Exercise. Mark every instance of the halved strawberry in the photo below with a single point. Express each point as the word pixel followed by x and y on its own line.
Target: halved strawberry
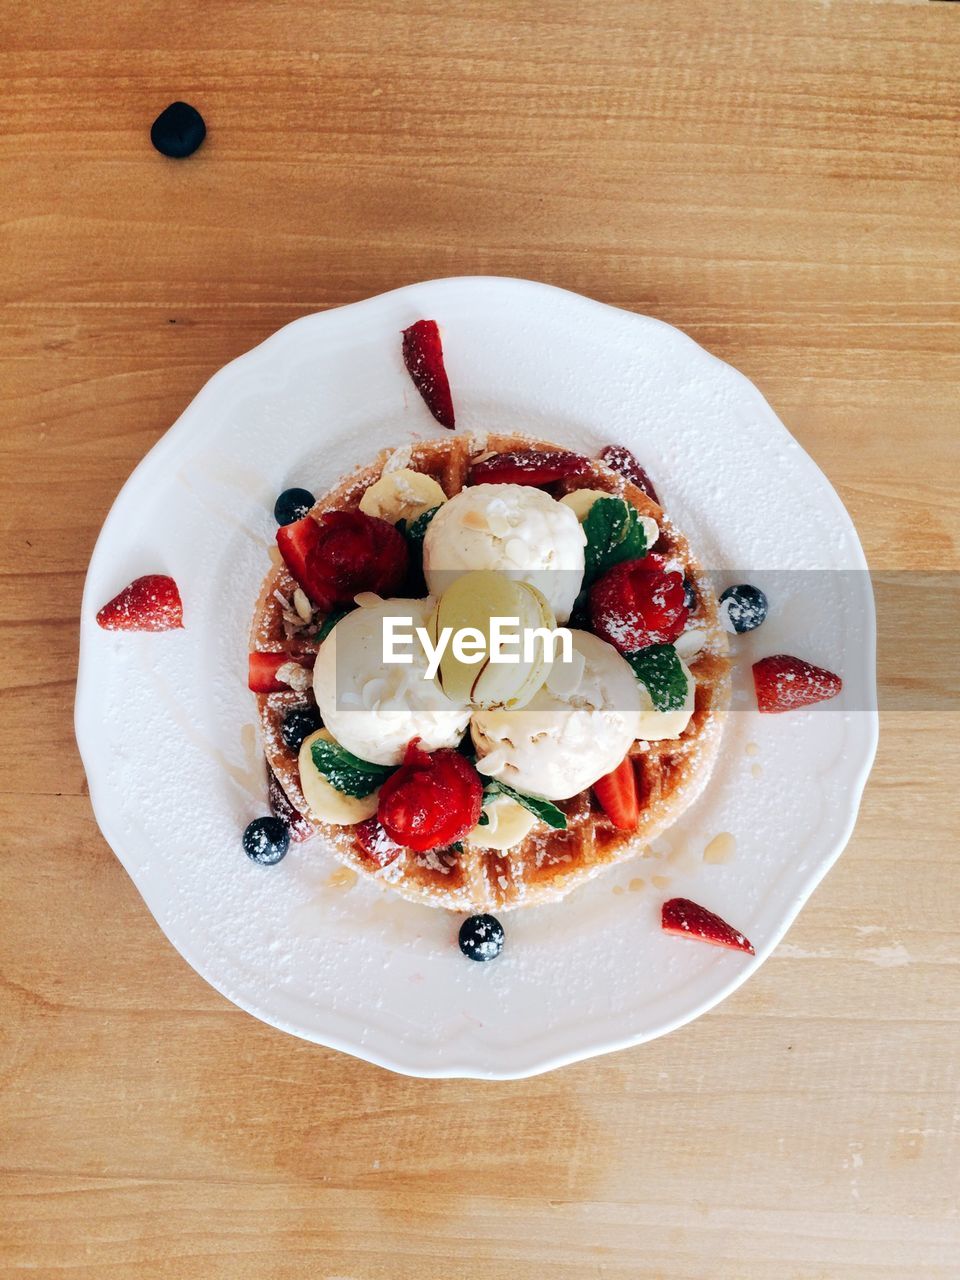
pixel 688 919
pixel 638 603
pixel 262 670
pixel 527 466
pixel 282 808
pixel 784 683
pixel 342 553
pixel 617 795
pixel 151 603
pixel 375 845
pixel 299 544
pixel 423 356
pixel 432 800
pixel 619 458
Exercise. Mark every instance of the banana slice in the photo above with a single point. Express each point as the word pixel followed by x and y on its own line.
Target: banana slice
pixel 469 604
pixel 509 824
pixel 495 689
pixel 654 725
pixel 325 802
pixel 581 500
pixel 401 495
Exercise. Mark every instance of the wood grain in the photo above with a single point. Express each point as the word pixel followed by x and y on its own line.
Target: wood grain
pixel 780 180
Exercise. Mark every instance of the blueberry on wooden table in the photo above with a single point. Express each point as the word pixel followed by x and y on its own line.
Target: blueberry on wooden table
pixel 178 130
pixel 293 505
pixel 481 938
pixel 266 841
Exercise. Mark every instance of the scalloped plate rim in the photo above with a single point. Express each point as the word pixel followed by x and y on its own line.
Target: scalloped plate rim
pixel 535 1062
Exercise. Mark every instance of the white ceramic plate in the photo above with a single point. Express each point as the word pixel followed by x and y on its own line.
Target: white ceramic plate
pixel 165 722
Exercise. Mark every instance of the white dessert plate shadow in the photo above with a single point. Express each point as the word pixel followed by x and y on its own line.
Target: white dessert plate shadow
pixel 166 725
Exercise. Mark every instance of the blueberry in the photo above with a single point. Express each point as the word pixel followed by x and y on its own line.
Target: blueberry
pixel 481 938
pixel 689 595
pixel 299 723
pixel 266 840
pixel 742 608
pixel 178 130
pixel 293 504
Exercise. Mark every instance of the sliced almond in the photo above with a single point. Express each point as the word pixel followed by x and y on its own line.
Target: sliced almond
pixel 302 605
pixel 295 676
pixel 367 600
pixel 499 525
pixel 493 762
pixel 690 643
pixel 565 677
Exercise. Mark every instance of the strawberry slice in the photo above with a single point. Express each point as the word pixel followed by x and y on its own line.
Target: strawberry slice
pixel 262 670
pixel 618 458
pixel 617 796
pixel 432 800
pixel 784 683
pixel 342 553
pixel 282 808
pixel 423 356
pixel 638 603
pixel 375 844
pixel 300 546
pixel 151 603
pixel 527 466
pixel 688 919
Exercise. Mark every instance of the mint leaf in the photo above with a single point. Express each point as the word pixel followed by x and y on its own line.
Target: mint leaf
pixel 580 614
pixel 484 819
pixel 415 530
pixel 614 534
pixel 419 527
pixel 658 667
pixel 345 771
pixel 329 622
pixel 414 533
pixel 540 808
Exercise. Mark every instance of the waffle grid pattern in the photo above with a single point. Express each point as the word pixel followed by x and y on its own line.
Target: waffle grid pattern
pixel 547 864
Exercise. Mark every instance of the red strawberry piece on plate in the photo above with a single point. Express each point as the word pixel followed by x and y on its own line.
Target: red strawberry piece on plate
pixel 283 808
pixel 689 920
pixel 527 466
pixel 423 356
pixel 263 669
pixel 342 553
pixel 784 683
pixel 151 603
pixel 638 603
pixel 432 800
pixel 375 845
pixel 618 458
pixel 617 795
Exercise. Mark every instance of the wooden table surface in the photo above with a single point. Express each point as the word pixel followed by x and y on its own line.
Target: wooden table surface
pixel 778 177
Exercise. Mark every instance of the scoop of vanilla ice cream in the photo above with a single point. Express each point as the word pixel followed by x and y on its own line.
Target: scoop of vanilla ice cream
pixel 513 528
pixel 566 737
pixel 374 708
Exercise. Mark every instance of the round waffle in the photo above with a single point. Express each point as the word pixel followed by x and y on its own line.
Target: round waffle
pixel 547 863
